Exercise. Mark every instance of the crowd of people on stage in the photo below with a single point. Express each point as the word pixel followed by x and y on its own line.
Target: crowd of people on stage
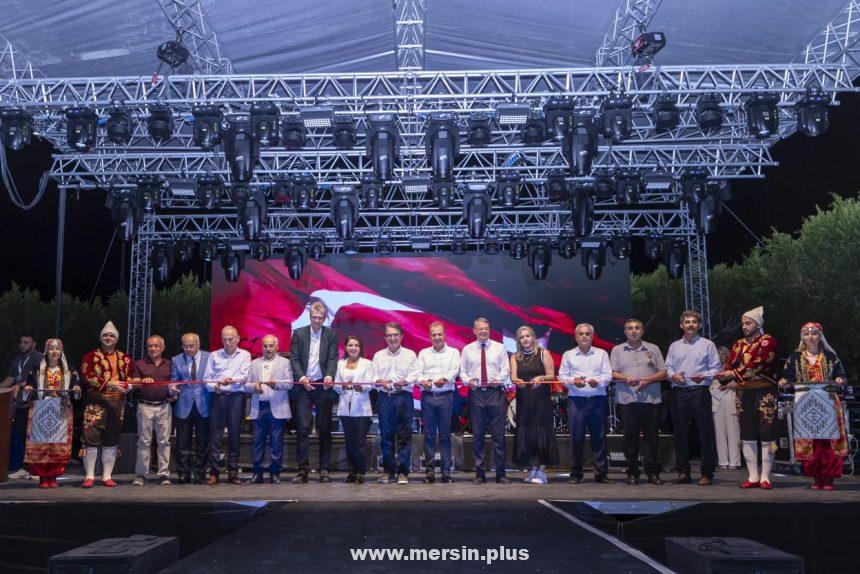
pixel 729 395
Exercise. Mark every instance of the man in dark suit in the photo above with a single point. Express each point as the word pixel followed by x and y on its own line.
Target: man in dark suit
pixel 191 409
pixel 313 358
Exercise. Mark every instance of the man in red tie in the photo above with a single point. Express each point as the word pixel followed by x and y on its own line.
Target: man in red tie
pixel 484 365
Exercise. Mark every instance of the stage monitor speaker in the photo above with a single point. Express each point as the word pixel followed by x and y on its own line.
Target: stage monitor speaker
pixel 138 554
pixel 693 555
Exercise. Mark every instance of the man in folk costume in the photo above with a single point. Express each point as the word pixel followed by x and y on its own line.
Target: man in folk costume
pixel 752 371
pixel 49 437
pixel 106 373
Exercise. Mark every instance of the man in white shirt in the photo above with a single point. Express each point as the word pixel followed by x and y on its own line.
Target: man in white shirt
pixel 394 405
pixel 436 370
pixel 586 372
pixel 225 376
pixel 485 366
pixel 269 379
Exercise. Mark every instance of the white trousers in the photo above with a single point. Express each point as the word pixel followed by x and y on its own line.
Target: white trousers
pixel 153 418
pixel 727 430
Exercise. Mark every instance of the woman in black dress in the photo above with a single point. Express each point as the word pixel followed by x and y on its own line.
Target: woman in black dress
pixel 535 445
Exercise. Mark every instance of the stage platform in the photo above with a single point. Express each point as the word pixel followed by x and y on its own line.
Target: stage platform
pixel 312 527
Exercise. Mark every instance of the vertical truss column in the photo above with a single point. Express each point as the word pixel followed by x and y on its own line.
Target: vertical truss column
pixel 697 295
pixel 630 17
pixel 14 65
pixel 198 35
pixel 409 37
pixel 139 296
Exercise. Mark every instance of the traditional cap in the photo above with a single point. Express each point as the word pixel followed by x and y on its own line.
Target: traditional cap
pixel 109 328
pixel 756 315
pixel 812 325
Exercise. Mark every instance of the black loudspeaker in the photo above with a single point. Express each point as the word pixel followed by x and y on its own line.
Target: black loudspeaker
pixel 728 555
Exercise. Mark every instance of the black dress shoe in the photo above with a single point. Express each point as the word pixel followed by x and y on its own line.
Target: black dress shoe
pixel 706 481
pixel 479 479
pixel 603 480
pixel 276 479
pixel 300 478
pixel 185 479
pixel 447 479
pixel 350 478
pixel 655 480
pixel 632 480
pixel 683 478
pixel 233 479
pixel 198 480
pixel 256 479
pixel 324 477
pixel 359 479
pixel 574 480
pixel 503 480
pixel 429 478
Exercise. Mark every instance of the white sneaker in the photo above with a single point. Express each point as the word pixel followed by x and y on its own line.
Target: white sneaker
pixel 384 479
pixel 531 476
pixel 20 474
pixel 402 479
pixel 139 481
pixel 540 478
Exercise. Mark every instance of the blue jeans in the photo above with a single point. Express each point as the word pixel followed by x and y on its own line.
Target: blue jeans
pixel 267 426
pixel 436 416
pixel 587 412
pixel 395 431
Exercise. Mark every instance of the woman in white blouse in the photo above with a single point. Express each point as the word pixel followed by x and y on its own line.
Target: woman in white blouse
pixel 353 408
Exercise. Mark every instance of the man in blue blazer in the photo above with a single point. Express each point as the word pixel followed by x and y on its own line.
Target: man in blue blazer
pixel 191 409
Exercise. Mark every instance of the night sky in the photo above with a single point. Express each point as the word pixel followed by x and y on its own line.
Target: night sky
pixel 810 170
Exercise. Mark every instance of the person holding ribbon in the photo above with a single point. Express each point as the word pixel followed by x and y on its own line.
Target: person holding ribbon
pixel 814 363
pixel 49 437
pixel 354 378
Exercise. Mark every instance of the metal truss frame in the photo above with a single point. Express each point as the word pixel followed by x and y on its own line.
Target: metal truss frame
pixel 14 65
pixel 140 291
pixel 409 34
pixel 198 35
pixel 697 294
pixel 629 20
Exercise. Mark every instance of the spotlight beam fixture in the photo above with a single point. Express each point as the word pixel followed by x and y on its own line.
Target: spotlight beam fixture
pixel 264 122
pixel 477 209
pixel 813 114
pixel 709 113
pixel 344 210
pixel 160 123
pixel 479 132
pixel 242 147
pixel 666 116
pixel 295 134
pixel 593 250
pixel 762 115
pixel 442 143
pixel 558 117
pixel 580 146
pixel 617 113
pixel 251 209
pixel 295 259
pixel 540 258
pixel 207 126
pixel 119 126
pixel 383 144
pixel 81 128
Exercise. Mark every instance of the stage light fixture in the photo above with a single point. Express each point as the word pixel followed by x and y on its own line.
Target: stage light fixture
pixel 316 116
pixel 540 258
pixel 295 259
pixel 477 209
pixel 184 252
pixel 654 247
pixel 265 119
pixel 442 143
pixel 209 191
pixel 173 52
pixel 149 188
pixel 558 117
pixel 343 132
pixel 813 114
pixel 556 187
pixel 282 190
pixel 762 115
pixel 492 247
pixel 512 114
pixel 479 131
pixel 351 247
pixel 415 184
pixel 119 126
pixel 566 245
pixel 657 181
pixel 241 148
pixel 162 263
pixel 384 245
pixel 383 144
pixel 519 247
pixel 316 247
pixel 232 262
pixel 443 193
pixel 707 210
pixel 208 250
pixel 295 135
pixel 124 205
pixel 582 211
pixel 675 257
pixel 371 190
pixel 580 146
pixel 617 114
pixel 628 185
pixel 621 247
pixel 182 188
pixel 17 125
pixel 261 250
pixel 459 246
pixel 304 188
pixel 508 188
pixel 604 184
pixel 421 242
pixel 709 113
pixel 251 210
pixel 533 133
pixel 207 131
pixel 646 45
pixel 160 123
pixel 593 253
pixel 666 116
pixel 694 184
pixel 344 209
pixel 81 128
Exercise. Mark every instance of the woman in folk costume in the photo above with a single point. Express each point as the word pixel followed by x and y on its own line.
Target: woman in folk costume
pixel 49 436
pixel 815 362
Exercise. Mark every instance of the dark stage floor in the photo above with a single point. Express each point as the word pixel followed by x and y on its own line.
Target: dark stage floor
pixel 313 527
